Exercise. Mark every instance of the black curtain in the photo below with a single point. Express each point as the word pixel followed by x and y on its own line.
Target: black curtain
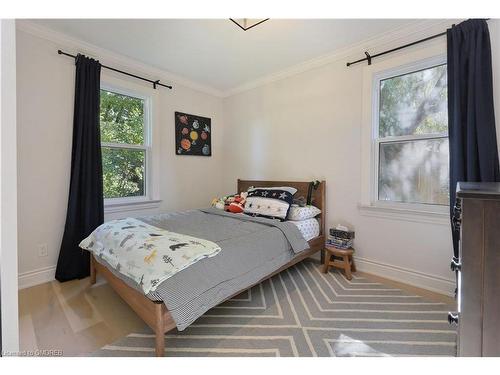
pixel 471 117
pixel 85 205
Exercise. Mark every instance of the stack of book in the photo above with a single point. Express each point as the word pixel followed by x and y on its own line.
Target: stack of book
pixel 341 237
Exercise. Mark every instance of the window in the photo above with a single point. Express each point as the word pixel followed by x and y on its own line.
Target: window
pixel 124 144
pixel 411 136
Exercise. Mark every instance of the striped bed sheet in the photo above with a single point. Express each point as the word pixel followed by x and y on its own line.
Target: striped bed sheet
pixel 252 248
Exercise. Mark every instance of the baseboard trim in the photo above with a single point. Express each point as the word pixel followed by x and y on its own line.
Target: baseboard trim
pixel 415 278
pixel 411 277
pixel 36 277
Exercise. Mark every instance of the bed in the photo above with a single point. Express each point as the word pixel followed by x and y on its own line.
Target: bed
pixel 264 249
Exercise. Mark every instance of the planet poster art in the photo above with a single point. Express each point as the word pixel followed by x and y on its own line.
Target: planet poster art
pixel 193 135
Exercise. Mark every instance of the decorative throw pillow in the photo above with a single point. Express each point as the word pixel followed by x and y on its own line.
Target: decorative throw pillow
pixel 272 203
pixel 290 189
pixel 298 213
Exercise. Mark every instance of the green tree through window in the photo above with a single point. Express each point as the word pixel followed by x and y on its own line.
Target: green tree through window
pixel 123 145
pixel 412 141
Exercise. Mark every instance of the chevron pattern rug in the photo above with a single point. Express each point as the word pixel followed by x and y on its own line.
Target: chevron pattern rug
pixel 302 312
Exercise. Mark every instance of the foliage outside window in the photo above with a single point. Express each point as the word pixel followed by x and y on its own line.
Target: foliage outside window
pixel 123 144
pixel 412 137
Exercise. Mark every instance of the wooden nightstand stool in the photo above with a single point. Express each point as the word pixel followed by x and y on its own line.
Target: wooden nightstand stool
pixel 339 258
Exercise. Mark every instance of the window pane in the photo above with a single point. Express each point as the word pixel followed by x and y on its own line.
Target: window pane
pixel 414 103
pixel 414 171
pixel 122 118
pixel 123 172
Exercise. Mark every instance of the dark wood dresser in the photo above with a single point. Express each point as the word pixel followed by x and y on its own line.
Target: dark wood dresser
pixel 477 215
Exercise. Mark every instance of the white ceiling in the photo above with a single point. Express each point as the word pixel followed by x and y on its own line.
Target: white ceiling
pixel 218 54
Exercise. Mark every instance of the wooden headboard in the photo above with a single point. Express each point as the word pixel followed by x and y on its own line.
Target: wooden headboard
pixel 318 195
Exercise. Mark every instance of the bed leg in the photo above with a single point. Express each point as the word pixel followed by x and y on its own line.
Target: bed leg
pixel 160 344
pixel 159 332
pixel 93 270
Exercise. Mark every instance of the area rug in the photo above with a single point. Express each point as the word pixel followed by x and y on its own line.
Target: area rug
pixel 302 312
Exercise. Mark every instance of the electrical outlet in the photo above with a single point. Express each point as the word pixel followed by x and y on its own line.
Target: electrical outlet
pixel 43 250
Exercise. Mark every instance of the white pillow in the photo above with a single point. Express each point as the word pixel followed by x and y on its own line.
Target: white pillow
pixel 290 189
pixel 308 228
pixel 298 213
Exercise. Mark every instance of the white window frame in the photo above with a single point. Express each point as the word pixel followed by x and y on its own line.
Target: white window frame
pixel 376 141
pixel 118 203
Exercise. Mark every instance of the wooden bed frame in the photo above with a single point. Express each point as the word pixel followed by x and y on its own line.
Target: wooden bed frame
pixel 156 314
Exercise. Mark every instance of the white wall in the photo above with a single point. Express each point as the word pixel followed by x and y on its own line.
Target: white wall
pixel 45 111
pixel 8 189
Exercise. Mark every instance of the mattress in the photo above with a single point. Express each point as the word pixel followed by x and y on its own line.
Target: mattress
pixel 309 228
pixel 252 248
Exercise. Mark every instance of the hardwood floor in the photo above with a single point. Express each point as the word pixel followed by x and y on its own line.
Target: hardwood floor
pixel 73 317
pixel 79 319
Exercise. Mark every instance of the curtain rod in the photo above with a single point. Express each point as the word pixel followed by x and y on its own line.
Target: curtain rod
pixel 155 83
pixel 370 57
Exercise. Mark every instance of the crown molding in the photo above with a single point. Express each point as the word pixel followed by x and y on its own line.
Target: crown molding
pixel 402 35
pixel 119 61
pixel 387 40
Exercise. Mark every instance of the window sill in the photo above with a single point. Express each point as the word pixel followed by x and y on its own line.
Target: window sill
pixel 132 205
pixel 407 214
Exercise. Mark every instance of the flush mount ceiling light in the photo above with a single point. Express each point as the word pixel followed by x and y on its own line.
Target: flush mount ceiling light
pixel 247 23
